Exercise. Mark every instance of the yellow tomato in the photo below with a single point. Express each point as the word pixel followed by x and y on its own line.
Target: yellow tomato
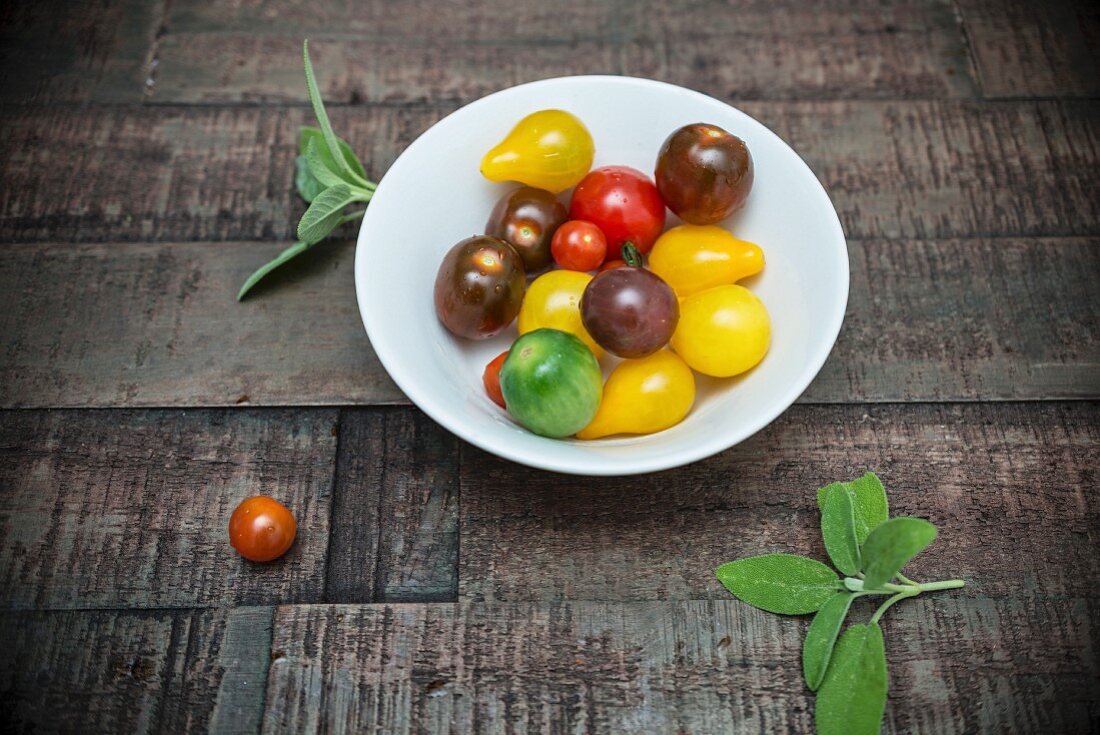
pixel 693 258
pixel 723 331
pixel 553 300
pixel 643 396
pixel 549 149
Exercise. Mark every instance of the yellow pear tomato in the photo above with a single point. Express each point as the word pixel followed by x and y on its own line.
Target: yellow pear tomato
pixel 643 396
pixel 553 300
pixel 549 149
pixel 693 258
pixel 722 331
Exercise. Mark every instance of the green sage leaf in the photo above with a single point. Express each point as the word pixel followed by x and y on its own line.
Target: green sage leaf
pixel 817 649
pixel 294 250
pixel 322 116
pixel 308 186
pixel 838 529
pixel 852 697
pixel 780 583
pixel 319 169
pixel 869 500
pixel 307 134
pixel 323 215
pixel 890 547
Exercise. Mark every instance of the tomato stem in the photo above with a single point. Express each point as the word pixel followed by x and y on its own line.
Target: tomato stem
pixel 631 256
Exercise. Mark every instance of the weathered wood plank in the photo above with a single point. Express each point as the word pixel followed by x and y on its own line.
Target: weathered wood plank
pixel 1012 488
pixel 755 49
pixel 428 53
pixel 130 509
pixel 394 533
pixel 958 664
pixel 943 320
pixel 85 51
pixel 893 169
pixel 1023 49
pixel 130 671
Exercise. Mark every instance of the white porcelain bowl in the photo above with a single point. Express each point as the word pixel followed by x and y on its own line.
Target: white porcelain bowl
pixel 433 196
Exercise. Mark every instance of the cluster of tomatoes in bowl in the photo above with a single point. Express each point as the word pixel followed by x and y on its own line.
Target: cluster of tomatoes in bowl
pixel 653 323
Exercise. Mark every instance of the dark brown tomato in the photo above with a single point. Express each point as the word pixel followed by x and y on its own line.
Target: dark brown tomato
pixel 527 219
pixel 704 173
pixel 479 287
pixel 630 311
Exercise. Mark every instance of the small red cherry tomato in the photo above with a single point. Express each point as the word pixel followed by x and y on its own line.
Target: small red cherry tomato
pixel 261 528
pixel 611 264
pixel 624 203
pixel 491 378
pixel 579 246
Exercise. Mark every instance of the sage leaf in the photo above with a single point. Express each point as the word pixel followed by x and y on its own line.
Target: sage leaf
pixel 318 168
pixel 307 134
pixel 296 249
pixel 319 111
pixel 780 583
pixel 852 697
pixel 323 215
pixel 869 499
pixel 817 649
pixel 891 545
pixel 838 529
pixel 308 187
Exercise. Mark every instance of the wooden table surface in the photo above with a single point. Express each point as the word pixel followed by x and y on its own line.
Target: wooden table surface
pixel 147 169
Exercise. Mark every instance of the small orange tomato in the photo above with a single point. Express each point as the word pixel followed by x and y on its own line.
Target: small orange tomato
pixel 579 246
pixel 262 529
pixel 612 264
pixel 491 378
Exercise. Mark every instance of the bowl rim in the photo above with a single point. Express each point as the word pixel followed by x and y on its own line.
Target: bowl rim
pixel 645 464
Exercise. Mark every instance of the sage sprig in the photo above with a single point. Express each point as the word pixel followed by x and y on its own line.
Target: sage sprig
pixel 328 175
pixel 869 548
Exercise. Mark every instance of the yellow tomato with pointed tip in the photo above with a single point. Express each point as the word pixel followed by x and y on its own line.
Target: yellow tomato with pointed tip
pixel 643 396
pixel 722 331
pixel 693 258
pixel 549 149
pixel 553 301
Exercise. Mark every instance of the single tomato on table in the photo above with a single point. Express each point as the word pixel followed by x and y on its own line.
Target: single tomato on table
pixel 262 528
pixel 624 203
pixel 579 246
pixel 491 379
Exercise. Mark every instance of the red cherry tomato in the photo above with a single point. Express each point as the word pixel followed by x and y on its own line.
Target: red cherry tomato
pixel 624 203
pixel 491 378
pixel 261 528
pixel 612 264
pixel 579 246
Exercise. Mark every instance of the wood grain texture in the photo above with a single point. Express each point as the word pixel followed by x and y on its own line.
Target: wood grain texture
pixel 698 666
pixel 1029 49
pixel 747 50
pixel 394 530
pixel 129 509
pixel 989 319
pixel 131 671
pixel 892 169
pixel 71 52
pixel 1011 487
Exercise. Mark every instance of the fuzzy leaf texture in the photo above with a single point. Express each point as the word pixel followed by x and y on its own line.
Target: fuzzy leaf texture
pixel 817 649
pixel 319 169
pixel 323 215
pixel 852 697
pixel 890 547
pixel 838 529
pixel 780 583
pixel 870 503
pixel 319 111
pixel 294 250
pixel 308 187
pixel 307 134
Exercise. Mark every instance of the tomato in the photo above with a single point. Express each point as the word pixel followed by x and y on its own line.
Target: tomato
pixel 723 331
pixel 629 311
pixel 548 149
pixel 479 287
pixel 612 264
pixel 579 246
pixel 643 396
pixel 623 203
pixel 704 173
pixel 261 528
pixel 491 379
pixel 554 300
pixel 693 258
pixel 527 219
